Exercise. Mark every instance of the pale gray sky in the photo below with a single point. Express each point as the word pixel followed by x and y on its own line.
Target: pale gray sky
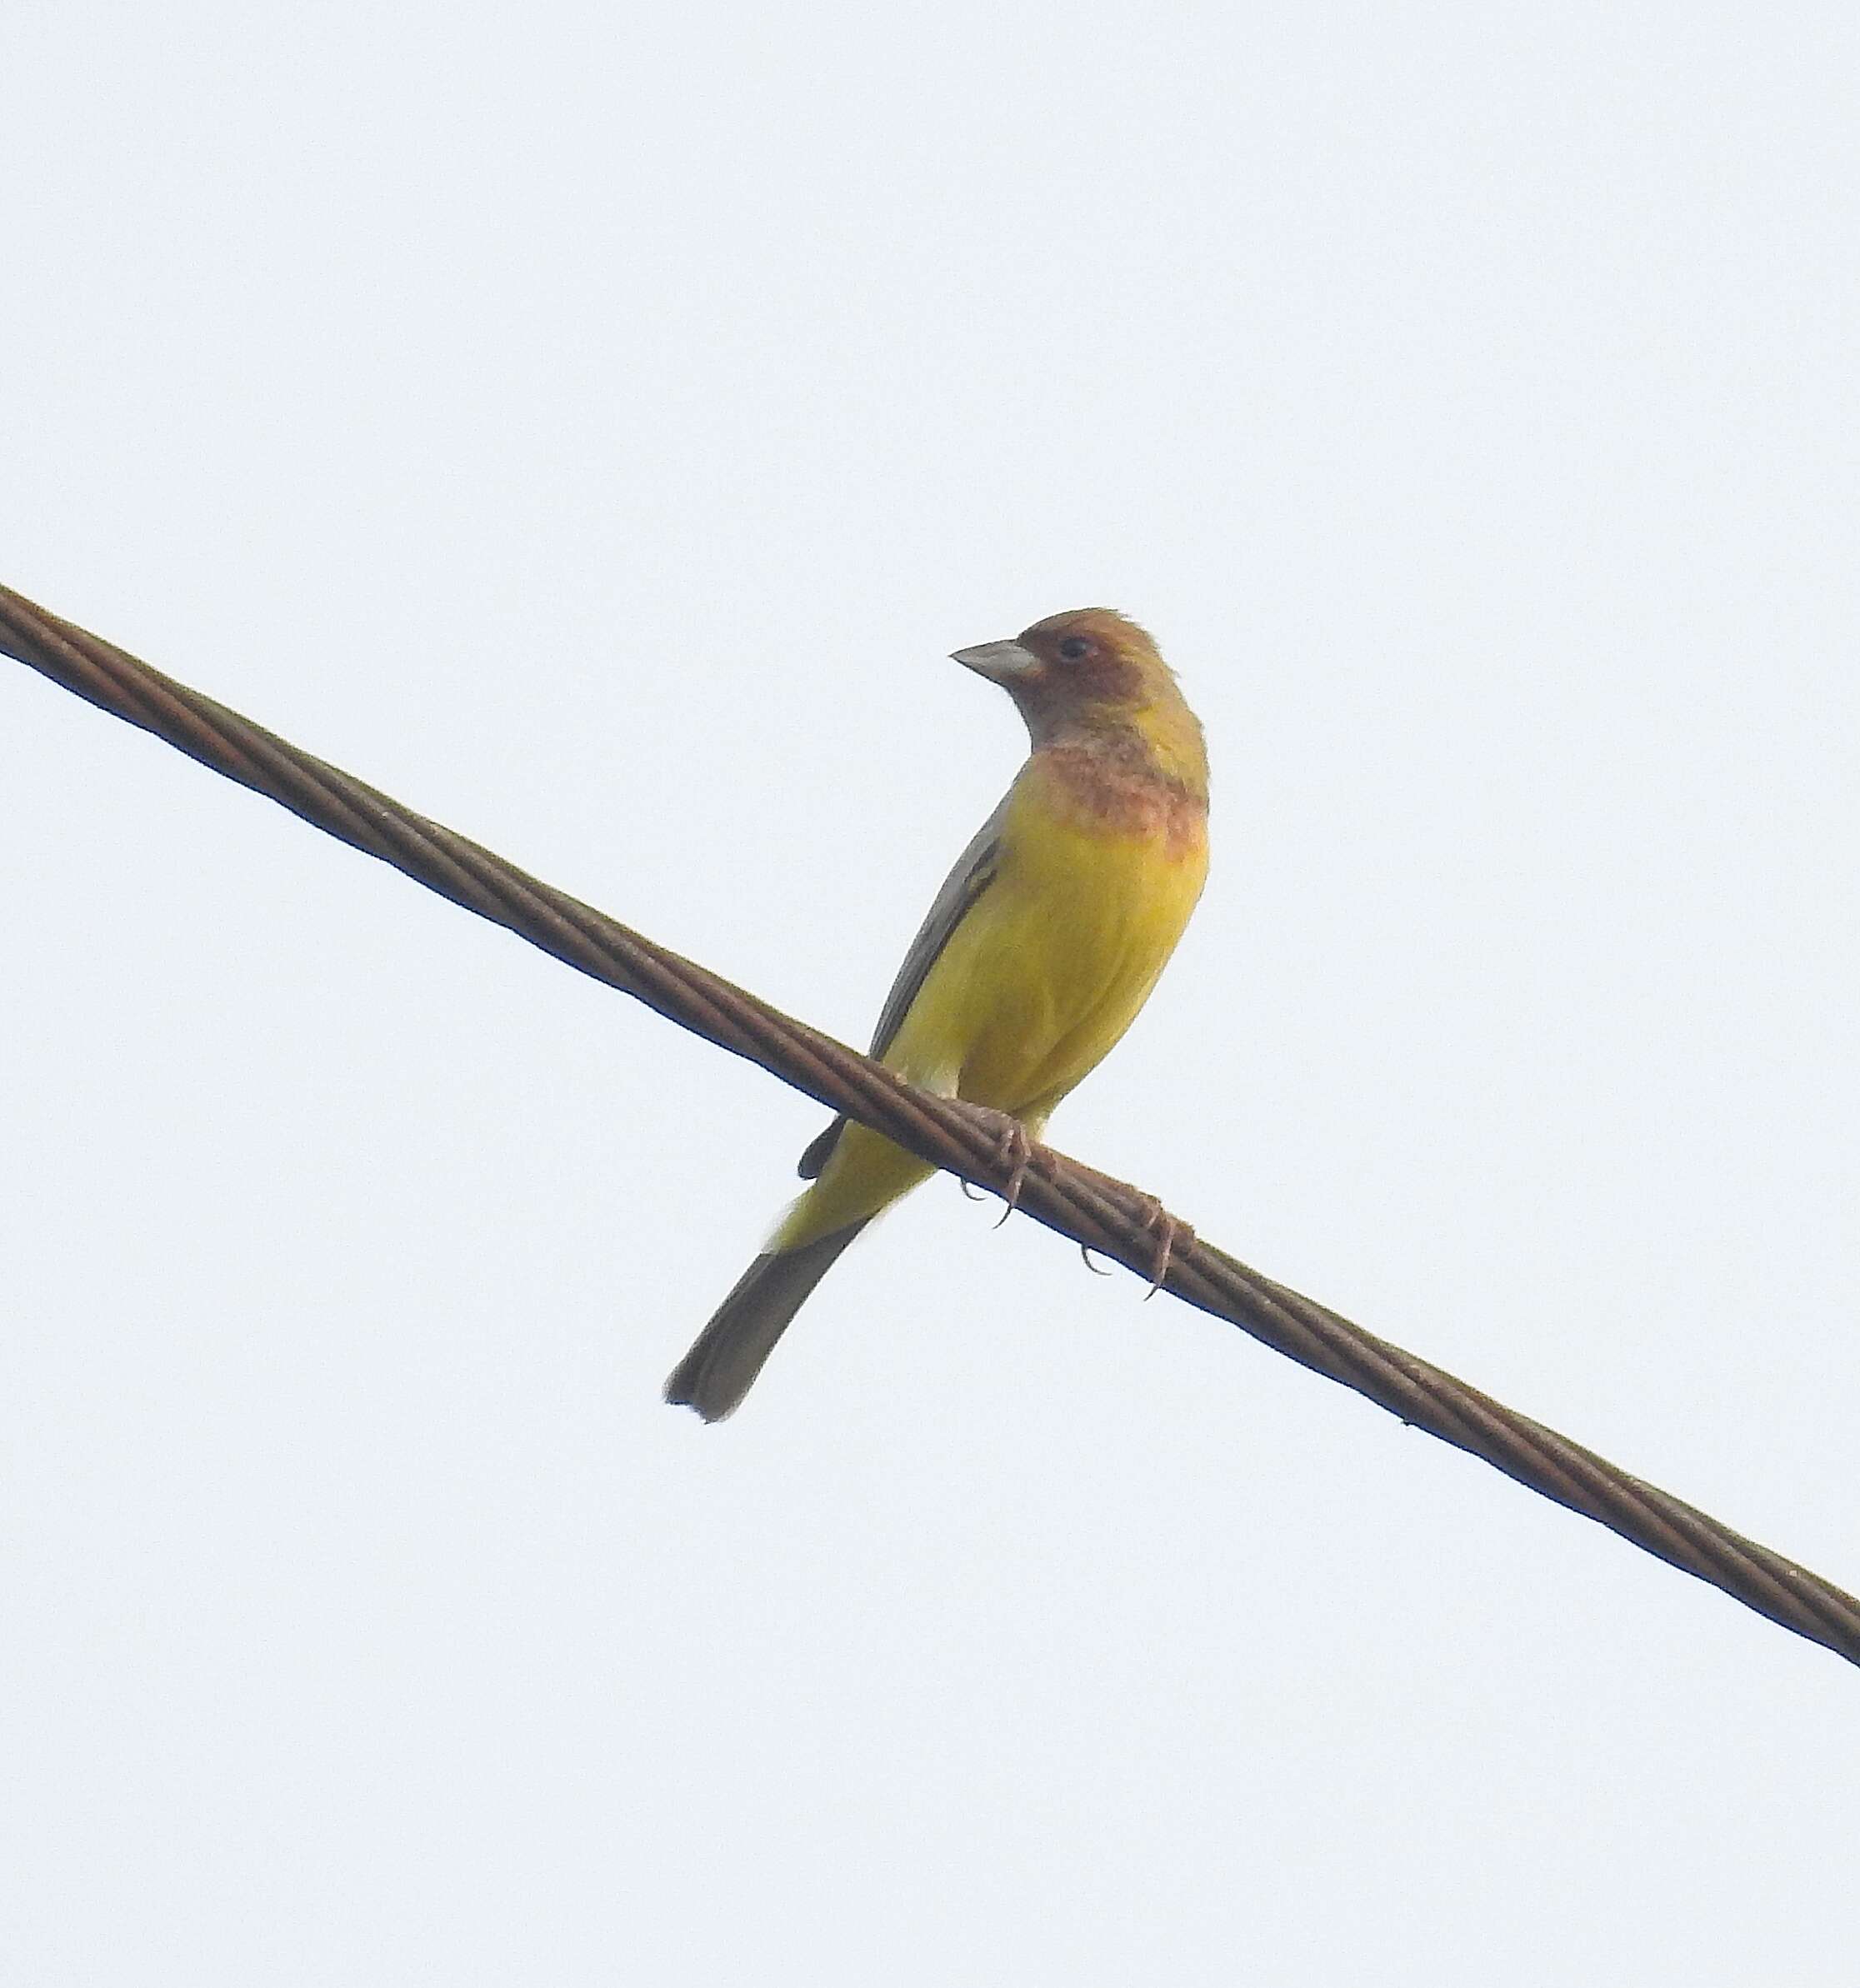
pixel 595 425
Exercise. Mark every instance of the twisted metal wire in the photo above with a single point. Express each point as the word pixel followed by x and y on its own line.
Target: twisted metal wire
pixel 1106 1216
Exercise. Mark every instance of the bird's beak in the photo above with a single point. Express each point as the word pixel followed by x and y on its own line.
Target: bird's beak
pixel 1003 662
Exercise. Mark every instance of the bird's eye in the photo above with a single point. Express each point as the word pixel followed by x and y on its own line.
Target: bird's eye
pixel 1074 647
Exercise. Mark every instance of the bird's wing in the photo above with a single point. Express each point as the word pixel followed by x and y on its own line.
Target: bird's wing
pixel 962 891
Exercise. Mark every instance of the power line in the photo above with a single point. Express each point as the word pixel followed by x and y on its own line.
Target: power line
pixel 1108 1216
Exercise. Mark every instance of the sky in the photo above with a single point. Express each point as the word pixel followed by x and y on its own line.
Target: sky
pixel 595 426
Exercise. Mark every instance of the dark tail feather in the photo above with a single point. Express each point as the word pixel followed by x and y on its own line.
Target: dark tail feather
pixel 716 1373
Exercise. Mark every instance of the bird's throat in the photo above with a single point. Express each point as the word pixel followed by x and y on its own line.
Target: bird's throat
pixel 1114 783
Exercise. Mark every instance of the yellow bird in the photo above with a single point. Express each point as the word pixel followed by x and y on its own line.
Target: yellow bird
pixel 1040 947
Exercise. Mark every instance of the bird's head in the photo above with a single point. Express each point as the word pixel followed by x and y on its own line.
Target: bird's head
pixel 1091 671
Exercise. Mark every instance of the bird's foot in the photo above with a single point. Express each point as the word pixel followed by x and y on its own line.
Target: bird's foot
pixel 1016 1149
pixel 1168 1231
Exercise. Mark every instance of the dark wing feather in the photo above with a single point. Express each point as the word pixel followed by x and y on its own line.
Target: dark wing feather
pixel 962 890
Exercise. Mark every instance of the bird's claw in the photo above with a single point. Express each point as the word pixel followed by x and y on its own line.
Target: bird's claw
pixel 1168 1229
pixel 1015 1148
pixel 1016 1156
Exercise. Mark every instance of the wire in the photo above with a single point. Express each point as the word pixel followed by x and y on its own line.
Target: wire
pixel 1105 1215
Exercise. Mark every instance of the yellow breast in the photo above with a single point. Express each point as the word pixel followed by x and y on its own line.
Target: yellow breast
pixel 1047 971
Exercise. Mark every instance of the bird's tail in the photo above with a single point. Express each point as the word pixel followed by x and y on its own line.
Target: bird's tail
pixel 728 1354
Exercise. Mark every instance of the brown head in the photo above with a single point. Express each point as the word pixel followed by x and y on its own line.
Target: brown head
pixel 1090 675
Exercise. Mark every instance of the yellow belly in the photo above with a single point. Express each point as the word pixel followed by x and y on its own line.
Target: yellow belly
pixel 1034 986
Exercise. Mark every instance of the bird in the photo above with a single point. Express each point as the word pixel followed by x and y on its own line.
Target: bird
pixel 1043 943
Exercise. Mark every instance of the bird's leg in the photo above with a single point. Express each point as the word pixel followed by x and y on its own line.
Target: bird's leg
pixel 1168 1229
pixel 1016 1149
